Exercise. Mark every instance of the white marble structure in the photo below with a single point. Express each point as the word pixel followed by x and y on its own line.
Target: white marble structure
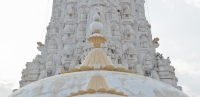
pixel 131 84
pixel 129 40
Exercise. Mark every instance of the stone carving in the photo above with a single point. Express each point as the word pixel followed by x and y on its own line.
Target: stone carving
pixel 67 56
pixel 50 60
pixel 155 42
pixel 147 62
pixel 81 31
pixel 118 49
pixel 129 33
pixel 82 13
pixel 155 75
pixel 31 73
pixel 132 50
pixel 52 45
pixel 124 63
pixel 73 63
pixel 70 10
pixel 115 30
pixel 142 26
pixel 54 30
pixel 41 47
pixel 79 47
pixel 67 50
pixel 144 43
pixel 126 12
pixel 57 12
pixel 68 33
pixel 166 71
pixel 50 65
pixel 130 53
pixel 113 12
pixel 40 44
pixel 68 29
pixel 66 44
pixel 39 61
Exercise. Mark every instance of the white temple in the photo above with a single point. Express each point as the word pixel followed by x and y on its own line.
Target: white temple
pixel 99 48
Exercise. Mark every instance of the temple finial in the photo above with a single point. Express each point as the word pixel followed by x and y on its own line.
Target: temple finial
pixel 96 27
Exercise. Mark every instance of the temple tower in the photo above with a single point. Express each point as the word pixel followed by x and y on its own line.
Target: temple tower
pixel 129 40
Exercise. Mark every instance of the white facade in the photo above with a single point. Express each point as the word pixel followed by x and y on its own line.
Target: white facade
pixel 129 40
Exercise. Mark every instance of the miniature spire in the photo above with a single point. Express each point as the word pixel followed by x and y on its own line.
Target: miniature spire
pixel 96 38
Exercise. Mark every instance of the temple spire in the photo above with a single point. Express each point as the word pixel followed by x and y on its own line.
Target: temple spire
pixel 96 38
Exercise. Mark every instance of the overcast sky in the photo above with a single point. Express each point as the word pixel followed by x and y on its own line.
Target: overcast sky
pixel 175 22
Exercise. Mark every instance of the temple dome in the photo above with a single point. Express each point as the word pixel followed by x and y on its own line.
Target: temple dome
pixel 132 85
